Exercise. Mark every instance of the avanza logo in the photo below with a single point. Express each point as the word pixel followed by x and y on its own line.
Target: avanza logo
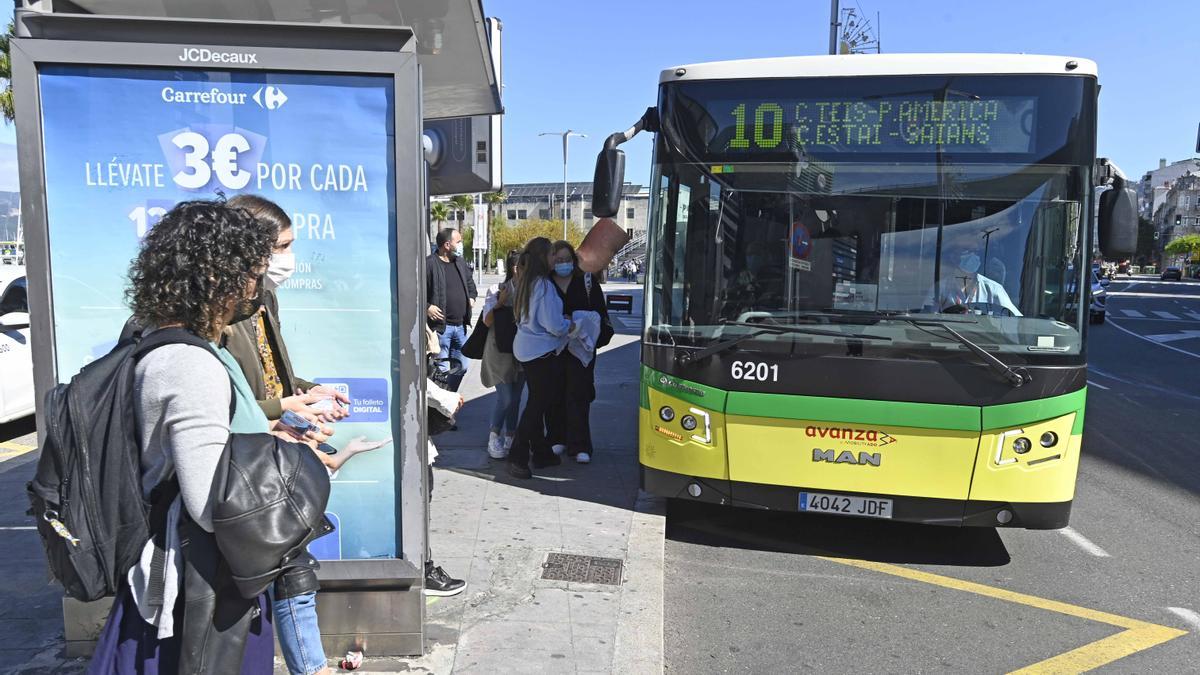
pixel 851 436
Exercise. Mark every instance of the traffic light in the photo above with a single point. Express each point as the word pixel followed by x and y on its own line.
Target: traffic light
pixel 1178 219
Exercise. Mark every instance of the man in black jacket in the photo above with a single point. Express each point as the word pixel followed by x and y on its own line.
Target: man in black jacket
pixel 449 292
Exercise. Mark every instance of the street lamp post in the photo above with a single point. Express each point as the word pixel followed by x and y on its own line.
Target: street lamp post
pixel 565 136
pixel 987 239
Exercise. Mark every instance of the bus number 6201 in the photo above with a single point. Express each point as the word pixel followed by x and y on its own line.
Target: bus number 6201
pixel 755 372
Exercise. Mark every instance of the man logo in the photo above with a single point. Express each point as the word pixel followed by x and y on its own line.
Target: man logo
pixel 847 457
pixel 269 97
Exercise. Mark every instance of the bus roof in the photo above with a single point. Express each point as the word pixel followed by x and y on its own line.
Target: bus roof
pixel 853 65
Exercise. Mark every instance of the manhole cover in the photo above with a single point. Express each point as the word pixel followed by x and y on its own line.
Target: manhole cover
pixel 582 568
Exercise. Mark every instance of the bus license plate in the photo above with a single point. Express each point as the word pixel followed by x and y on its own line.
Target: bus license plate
pixel 818 502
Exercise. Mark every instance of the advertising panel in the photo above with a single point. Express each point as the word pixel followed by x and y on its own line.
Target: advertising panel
pixel 122 145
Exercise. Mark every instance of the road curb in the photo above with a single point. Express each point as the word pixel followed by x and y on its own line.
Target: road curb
pixel 639 642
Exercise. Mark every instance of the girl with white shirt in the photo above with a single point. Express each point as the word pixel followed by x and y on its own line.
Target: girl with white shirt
pixel 542 331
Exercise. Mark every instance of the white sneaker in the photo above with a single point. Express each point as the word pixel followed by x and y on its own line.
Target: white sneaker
pixel 495 448
pixel 558 448
pixel 583 458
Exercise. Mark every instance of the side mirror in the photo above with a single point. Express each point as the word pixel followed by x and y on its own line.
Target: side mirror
pixel 14 320
pixel 1118 223
pixel 608 182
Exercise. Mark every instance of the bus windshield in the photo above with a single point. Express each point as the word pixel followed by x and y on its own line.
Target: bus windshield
pixel 780 203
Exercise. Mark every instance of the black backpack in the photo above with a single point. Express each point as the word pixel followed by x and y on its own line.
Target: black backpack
pixel 86 495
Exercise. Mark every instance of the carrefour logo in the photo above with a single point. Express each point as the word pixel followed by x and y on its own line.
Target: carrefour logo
pixel 202 55
pixel 270 97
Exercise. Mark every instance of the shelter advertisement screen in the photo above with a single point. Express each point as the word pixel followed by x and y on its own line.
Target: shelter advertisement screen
pixel 122 145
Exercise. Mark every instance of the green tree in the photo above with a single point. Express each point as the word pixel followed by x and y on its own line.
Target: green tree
pixel 464 203
pixel 6 96
pixel 439 212
pixel 507 237
pixel 1187 245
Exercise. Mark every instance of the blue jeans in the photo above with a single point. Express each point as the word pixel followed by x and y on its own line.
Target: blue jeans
pixel 298 632
pixel 508 405
pixel 451 341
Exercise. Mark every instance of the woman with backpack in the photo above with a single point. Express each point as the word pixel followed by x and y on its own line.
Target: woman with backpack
pixel 179 609
pixel 542 332
pixel 500 368
pixel 569 418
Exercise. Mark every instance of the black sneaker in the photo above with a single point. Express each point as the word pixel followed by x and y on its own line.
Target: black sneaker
pixel 543 461
pixel 517 471
pixel 438 583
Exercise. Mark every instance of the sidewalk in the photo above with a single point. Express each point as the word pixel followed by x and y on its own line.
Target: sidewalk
pixel 496 532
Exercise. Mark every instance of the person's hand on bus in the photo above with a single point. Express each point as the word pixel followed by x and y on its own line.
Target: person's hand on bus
pixel 435 313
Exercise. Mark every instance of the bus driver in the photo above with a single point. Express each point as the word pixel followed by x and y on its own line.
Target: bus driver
pixel 966 290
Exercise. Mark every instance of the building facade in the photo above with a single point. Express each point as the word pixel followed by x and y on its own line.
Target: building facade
pixel 1179 212
pixel 543 201
pixel 1153 188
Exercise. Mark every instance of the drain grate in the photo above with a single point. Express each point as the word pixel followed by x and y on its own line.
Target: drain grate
pixel 582 568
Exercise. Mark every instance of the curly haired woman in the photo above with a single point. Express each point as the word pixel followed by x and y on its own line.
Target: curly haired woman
pixel 199 270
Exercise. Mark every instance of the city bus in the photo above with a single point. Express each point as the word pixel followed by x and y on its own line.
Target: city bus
pixel 863 283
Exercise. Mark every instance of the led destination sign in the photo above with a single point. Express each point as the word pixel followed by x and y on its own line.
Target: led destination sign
pixel 873 125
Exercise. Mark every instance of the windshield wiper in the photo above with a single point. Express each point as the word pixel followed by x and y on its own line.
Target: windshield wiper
pixel 687 358
pixel 1016 377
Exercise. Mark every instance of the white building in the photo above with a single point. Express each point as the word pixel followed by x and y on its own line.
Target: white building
pixel 1153 188
pixel 543 201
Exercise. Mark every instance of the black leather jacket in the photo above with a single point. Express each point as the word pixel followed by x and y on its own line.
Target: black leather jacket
pixel 268 500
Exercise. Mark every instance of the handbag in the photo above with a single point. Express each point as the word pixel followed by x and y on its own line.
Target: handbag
pixel 473 347
pixel 504 325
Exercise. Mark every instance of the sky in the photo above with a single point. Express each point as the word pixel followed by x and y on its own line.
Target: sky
pixel 593 66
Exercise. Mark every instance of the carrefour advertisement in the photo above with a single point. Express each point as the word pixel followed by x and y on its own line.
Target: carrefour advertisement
pixel 122 145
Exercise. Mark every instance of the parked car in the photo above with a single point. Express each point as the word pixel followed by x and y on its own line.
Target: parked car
pixel 16 356
pixel 1171 273
pixel 1098 309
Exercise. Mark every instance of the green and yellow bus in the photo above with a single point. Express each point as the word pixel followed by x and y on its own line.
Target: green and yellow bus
pixel 867 283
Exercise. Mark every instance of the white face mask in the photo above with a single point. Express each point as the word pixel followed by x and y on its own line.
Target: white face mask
pixel 459 249
pixel 280 269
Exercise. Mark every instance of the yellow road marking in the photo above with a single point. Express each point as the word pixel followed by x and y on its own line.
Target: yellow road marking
pixel 10 449
pixel 1137 636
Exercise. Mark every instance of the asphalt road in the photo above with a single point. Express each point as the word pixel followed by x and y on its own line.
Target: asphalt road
pixel 754 592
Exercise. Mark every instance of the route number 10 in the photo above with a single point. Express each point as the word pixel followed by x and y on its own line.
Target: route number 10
pixel 768 126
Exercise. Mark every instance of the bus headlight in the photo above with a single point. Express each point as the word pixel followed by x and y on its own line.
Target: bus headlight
pixel 688 423
pixel 1049 439
pixel 666 413
pixel 1021 445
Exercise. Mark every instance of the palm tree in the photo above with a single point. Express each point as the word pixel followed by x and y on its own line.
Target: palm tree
pixel 439 212
pixel 6 96
pixel 493 199
pixel 464 203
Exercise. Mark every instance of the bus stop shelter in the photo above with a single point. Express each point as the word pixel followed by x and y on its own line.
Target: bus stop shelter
pixel 126 108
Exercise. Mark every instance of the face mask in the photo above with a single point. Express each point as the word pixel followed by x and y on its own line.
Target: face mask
pixel 248 307
pixel 969 263
pixel 564 269
pixel 280 269
pixel 459 249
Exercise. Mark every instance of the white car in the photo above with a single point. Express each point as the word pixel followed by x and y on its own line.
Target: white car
pixel 16 355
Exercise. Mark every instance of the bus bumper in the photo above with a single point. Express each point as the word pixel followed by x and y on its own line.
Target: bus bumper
pixel 925 510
